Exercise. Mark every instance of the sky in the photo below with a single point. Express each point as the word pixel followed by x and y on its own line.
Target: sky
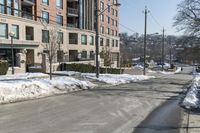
pixel 161 15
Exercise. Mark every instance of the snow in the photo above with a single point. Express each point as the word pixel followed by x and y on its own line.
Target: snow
pixel 24 89
pixel 23 76
pixel 166 73
pixel 116 79
pixel 68 73
pixel 191 100
pixel 139 66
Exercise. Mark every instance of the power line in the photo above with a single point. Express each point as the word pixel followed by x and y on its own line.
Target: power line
pixel 126 27
pixel 155 20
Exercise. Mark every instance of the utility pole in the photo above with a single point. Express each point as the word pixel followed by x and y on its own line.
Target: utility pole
pixel 145 40
pixel 97 38
pixel 163 52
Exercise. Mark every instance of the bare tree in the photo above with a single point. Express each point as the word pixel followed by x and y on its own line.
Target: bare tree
pixel 106 55
pixel 51 46
pixel 188 17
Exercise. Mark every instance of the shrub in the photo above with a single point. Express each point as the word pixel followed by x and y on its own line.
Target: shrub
pixel 87 68
pixel 3 67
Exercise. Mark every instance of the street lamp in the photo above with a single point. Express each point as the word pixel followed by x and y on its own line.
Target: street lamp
pixel 12 34
pixel 97 32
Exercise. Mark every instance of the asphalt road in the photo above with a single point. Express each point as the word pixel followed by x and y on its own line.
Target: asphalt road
pixel 118 109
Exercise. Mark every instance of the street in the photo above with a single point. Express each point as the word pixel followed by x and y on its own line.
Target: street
pixel 106 109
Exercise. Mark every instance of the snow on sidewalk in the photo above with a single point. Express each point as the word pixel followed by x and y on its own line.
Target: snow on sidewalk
pixel 23 76
pixel 116 79
pixel 18 90
pixel 68 73
pixel 191 99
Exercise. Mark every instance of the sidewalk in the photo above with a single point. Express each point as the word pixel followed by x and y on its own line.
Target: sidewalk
pixel 194 123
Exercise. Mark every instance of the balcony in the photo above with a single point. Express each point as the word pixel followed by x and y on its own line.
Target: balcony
pixel 73 12
pixel 28 2
pixel 71 25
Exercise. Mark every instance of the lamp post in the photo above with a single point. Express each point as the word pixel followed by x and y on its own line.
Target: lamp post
pixel 97 14
pixel 12 34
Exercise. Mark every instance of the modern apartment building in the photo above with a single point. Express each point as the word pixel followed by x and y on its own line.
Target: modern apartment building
pixel 31 21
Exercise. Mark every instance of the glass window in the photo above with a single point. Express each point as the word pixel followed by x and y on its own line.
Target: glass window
pixel 45 36
pixel 102 18
pixel 29 33
pixel 113 43
pixel 91 40
pixel 16 6
pixel 46 2
pixel 2 6
pixel 102 29
pixel 73 38
pixel 108 8
pixel 91 54
pixel 59 4
pixel 3 30
pixel 117 43
pixel 101 6
pixel 108 42
pixel 45 16
pixel 9 7
pixel 84 54
pixel 101 41
pixel 15 29
pixel 84 39
pixel 59 20
pixel 60 37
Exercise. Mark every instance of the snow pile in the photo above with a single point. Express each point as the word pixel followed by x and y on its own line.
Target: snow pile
pixel 139 66
pixel 166 73
pixel 115 79
pixel 23 76
pixel 68 73
pixel 191 99
pixel 18 90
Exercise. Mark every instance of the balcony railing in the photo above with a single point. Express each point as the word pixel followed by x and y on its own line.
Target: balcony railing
pixel 72 11
pixel 28 2
pixel 72 25
pixel 73 41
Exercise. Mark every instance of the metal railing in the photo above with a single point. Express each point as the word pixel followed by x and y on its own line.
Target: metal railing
pixel 72 11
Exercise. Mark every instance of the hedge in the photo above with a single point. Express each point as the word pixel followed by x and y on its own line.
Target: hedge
pixel 3 67
pixel 87 68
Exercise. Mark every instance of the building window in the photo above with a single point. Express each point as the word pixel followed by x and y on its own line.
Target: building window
pixel 108 42
pixel 59 4
pixel 108 31
pixel 73 38
pixel 45 16
pixel 59 20
pixel 45 36
pixel 3 30
pixel 15 29
pixel 113 22
pixel 116 23
pixel 113 11
pixel 116 33
pixel 102 29
pixel 108 6
pixel 16 6
pixel 101 6
pixel 108 19
pixel 91 54
pixel 29 33
pixel 117 43
pixel 2 6
pixel 113 32
pixel 60 55
pixel 116 13
pixel 84 39
pixel 60 37
pixel 46 2
pixel 102 18
pixel 101 41
pixel 91 40
pixel 9 7
pixel 113 43
pixel 84 54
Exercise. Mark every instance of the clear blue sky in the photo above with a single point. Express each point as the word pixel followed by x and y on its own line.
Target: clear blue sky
pixel 132 16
